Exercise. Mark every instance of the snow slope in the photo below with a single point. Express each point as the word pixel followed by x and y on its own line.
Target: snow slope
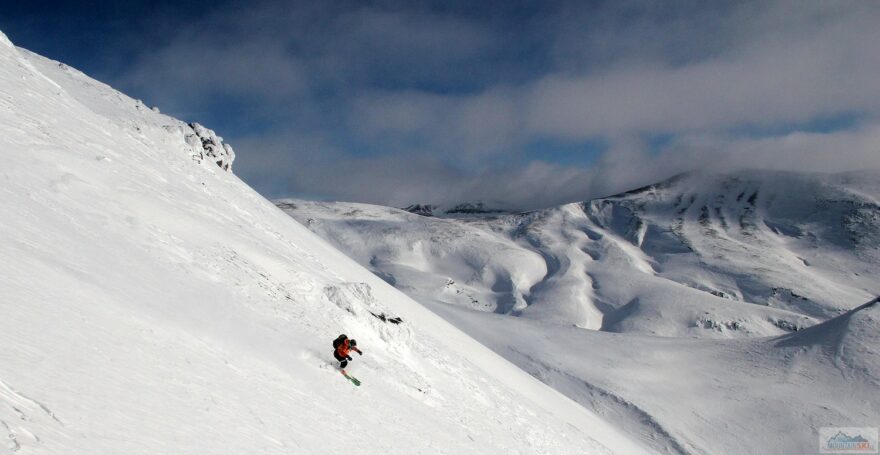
pixel 705 396
pixel 704 292
pixel 153 303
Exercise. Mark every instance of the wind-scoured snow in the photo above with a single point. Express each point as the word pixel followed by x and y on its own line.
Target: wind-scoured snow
pixel 153 303
pixel 718 303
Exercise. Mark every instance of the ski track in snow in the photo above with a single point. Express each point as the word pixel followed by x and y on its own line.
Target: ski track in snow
pixel 19 414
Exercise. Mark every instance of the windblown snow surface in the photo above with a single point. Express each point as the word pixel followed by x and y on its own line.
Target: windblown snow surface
pixel 153 303
pixel 685 311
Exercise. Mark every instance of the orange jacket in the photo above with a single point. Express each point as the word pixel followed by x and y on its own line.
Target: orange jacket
pixel 344 348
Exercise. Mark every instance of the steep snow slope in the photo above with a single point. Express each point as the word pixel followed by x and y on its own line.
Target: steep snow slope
pixel 153 303
pixel 718 256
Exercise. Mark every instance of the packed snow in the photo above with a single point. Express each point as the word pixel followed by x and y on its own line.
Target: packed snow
pixel 154 303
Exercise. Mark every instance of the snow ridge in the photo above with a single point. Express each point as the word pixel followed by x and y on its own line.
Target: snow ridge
pixel 147 125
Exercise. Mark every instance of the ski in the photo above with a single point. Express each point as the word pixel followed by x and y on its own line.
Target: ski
pixel 353 379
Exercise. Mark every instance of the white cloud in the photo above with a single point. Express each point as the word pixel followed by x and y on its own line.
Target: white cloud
pixel 839 151
pixel 789 79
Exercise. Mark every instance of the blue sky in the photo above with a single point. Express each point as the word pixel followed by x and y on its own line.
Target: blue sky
pixel 520 103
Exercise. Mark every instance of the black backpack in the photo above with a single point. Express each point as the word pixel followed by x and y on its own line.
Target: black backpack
pixel 339 340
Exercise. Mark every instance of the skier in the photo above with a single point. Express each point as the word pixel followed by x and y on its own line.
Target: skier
pixel 343 345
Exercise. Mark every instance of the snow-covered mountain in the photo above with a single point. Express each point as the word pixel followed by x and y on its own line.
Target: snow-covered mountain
pixel 735 255
pixel 154 303
pixel 699 290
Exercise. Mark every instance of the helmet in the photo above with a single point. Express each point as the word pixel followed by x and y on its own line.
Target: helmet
pixel 342 336
pixel 353 342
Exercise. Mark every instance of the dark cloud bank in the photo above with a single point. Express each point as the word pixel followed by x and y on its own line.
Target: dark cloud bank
pixel 396 103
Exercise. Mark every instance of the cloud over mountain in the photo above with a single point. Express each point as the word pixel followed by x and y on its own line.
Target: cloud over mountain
pixel 392 102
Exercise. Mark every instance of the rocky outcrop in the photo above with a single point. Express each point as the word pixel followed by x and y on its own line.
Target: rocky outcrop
pixel 421 209
pixel 208 146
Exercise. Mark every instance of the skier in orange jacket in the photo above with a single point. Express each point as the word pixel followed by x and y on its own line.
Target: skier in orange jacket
pixel 343 346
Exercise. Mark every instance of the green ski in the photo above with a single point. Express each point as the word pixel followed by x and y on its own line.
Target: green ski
pixel 353 379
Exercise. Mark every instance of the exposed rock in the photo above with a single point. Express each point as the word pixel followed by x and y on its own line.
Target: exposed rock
pixel 207 145
pixel 421 209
